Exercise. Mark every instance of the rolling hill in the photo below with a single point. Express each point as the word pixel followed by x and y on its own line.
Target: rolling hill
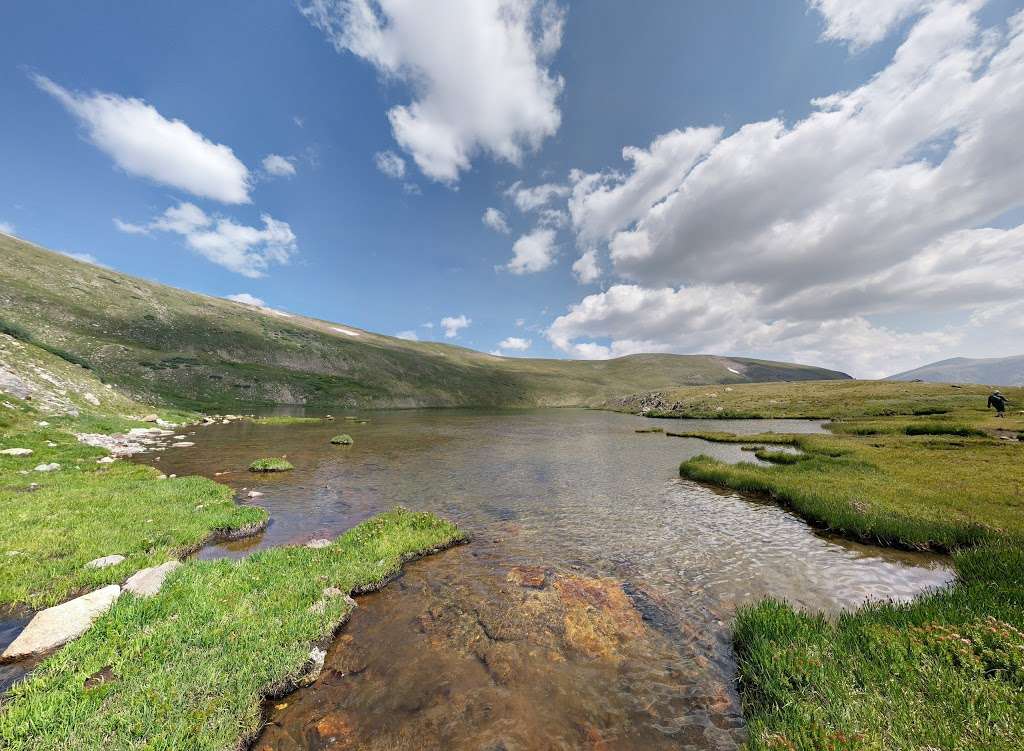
pixel 997 371
pixel 169 346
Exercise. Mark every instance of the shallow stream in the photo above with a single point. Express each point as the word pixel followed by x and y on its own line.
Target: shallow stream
pixel 592 608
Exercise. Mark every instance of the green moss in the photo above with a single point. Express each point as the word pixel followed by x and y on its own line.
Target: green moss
pixel 271 464
pixel 189 667
pixel 342 440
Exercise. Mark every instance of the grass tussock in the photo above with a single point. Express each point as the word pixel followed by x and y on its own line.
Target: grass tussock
pixel 783 439
pixel 271 464
pixel 342 440
pixel 287 420
pixel 190 667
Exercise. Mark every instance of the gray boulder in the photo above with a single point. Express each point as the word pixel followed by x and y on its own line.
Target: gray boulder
pixel 56 626
pixel 148 581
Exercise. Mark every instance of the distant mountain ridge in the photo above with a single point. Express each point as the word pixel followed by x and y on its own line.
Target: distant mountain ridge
pixel 994 371
pixel 165 345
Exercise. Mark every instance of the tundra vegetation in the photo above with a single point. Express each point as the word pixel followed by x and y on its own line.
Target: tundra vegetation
pixel 171 347
pixel 911 465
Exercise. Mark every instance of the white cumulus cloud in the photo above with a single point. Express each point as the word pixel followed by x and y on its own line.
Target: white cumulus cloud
pixel 478 69
pixel 408 335
pixel 494 219
pixel 864 22
pixel 452 325
pixel 586 267
pixel 246 299
pixel 822 239
pixel 533 252
pixel 7 228
pixel 279 166
pixel 249 251
pixel 532 198
pixel 390 164
pixel 144 143
pixel 515 343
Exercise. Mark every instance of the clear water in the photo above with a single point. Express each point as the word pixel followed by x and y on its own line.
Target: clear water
pixel 457 656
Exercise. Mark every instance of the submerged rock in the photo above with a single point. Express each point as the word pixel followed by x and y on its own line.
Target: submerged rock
pixel 148 581
pixel 528 576
pixel 106 561
pixel 321 542
pixel 56 626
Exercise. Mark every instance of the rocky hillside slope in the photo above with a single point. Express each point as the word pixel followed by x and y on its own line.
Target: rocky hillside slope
pixel 165 345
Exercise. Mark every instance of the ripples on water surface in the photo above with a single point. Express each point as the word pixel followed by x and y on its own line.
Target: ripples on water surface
pixel 622 642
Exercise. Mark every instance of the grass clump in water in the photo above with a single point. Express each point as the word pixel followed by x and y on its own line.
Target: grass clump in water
pixel 342 440
pixel 650 430
pixel 189 668
pixel 271 464
pixel 286 420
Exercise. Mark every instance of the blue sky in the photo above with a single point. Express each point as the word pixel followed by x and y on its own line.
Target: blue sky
pixel 874 229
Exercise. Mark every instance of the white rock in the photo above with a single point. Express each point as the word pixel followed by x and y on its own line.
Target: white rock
pixel 147 582
pixel 319 543
pixel 16 452
pixel 43 424
pixel 151 418
pixel 105 460
pixel 182 444
pixel 47 467
pixel 254 494
pixel 91 398
pixel 105 562
pixel 314 667
pixel 56 626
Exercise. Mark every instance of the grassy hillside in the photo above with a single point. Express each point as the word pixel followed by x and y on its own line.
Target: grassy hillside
pixel 163 344
pixel 1005 371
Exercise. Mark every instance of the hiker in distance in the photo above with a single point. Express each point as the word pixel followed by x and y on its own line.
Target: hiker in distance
pixel 998 401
